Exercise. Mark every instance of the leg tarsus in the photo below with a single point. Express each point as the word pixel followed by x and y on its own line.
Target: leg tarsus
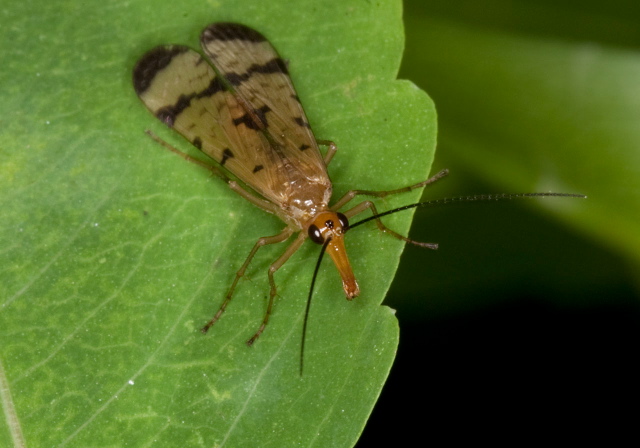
pixel 265 320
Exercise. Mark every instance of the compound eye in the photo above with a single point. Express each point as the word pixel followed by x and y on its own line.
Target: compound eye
pixel 344 222
pixel 315 234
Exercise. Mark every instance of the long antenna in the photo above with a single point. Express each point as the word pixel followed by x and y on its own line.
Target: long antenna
pixel 472 198
pixel 445 201
pixel 306 312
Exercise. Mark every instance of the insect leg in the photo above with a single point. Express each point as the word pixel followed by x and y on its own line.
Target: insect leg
pixel 293 247
pixel 215 170
pixel 332 148
pixel 370 205
pixel 259 202
pixel 381 194
pixel 282 236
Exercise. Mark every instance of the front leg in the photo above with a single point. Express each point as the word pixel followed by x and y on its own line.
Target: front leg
pixel 371 206
pixel 383 193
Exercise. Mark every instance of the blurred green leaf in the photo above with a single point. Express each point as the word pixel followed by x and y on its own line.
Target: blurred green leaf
pixel 540 114
pixel 115 252
pixel 527 104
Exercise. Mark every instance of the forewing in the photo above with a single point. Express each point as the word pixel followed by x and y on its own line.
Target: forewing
pixel 182 90
pixel 243 112
pixel 251 69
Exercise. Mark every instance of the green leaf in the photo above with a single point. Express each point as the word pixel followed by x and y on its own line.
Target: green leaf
pixel 115 252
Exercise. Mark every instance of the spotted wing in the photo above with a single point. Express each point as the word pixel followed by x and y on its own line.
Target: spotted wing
pixel 243 112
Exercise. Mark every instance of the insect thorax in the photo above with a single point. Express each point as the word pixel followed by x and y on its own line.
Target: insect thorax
pixel 306 198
